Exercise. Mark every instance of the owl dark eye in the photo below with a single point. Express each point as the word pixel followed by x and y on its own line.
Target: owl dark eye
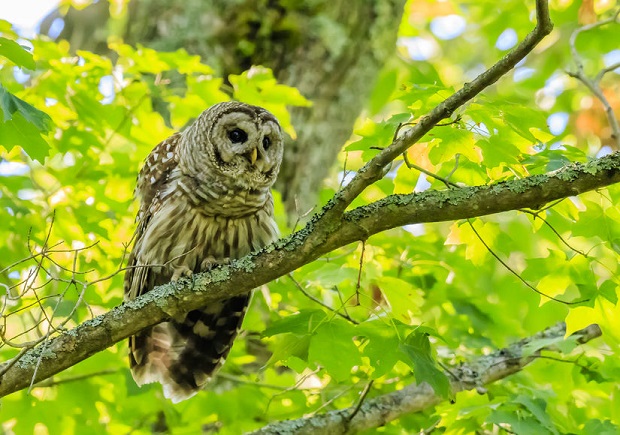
pixel 266 143
pixel 237 136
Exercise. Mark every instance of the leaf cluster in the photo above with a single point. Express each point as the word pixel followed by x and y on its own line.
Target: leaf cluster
pixel 391 310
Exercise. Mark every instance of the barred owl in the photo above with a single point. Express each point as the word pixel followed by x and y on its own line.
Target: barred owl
pixel 204 199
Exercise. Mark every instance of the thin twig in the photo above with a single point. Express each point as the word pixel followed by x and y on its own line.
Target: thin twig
pixel 300 215
pixel 594 84
pixel 239 380
pixel 445 181
pixel 344 170
pixel 6 366
pixel 606 70
pixel 51 382
pixel 457 156
pixel 332 400
pixel 39 256
pixel 44 343
pixel 374 169
pixel 293 387
pixel 289 254
pixel 416 398
pixel 509 269
pixel 431 428
pixel 537 215
pixel 359 274
pixel 363 395
pixel 320 302
pixel 343 303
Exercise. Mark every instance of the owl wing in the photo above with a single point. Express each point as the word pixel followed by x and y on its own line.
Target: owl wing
pixel 150 185
pixel 154 175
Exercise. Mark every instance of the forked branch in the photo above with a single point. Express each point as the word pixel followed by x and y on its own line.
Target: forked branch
pixel 375 168
pixel 317 238
pixel 475 374
pixel 328 230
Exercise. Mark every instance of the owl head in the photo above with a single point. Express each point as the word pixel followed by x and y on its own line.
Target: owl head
pixel 235 143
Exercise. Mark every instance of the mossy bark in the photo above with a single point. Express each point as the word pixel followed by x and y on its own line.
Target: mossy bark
pixel 331 50
pixel 324 233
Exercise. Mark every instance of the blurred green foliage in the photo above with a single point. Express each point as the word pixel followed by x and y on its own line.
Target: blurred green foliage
pixel 423 294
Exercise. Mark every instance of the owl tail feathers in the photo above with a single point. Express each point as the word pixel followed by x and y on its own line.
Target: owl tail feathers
pixel 152 355
pixel 184 355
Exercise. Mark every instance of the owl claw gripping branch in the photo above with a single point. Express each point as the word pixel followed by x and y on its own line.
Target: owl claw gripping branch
pixel 204 199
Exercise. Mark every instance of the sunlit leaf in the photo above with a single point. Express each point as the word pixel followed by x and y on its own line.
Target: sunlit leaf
pixel 16 53
pixel 332 347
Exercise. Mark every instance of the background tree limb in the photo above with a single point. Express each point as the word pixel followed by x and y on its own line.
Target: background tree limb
pixel 323 234
pixel 374 169
pixel 479 282
pixel 380 410
pixel 332 51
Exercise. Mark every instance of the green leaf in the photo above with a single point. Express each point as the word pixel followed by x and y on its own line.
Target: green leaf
pixel 593 375
pixel 609 290
pixel 566 345
pixel 377 134
pixel 382 341
pixel 289 345
pixel 303 322
pixel 328 274
pixel 442 276
pixel 404 298
pixel 453 141
pixel 131 387
pixel 142 59
pixel 496 152
pixel 598 427
pixel 383 90
pixel 417 348
pixel 332 347
pixel 19 132
pixel 420 98
pixel 537 408
pixel 16 53
pixel 518 424
pixel 259 83
pixel 10 104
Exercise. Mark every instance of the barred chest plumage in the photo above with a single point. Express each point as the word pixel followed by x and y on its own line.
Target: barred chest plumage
pixel 201 236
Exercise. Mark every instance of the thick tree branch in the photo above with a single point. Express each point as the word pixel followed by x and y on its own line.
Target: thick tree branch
pixel 380 410
pixel 328 230
pixel 374 169
pixel 320 236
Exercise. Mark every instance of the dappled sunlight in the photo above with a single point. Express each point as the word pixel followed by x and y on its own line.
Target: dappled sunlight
pixel 448 207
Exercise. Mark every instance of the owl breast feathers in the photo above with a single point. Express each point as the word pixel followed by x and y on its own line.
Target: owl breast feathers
pixel 204 199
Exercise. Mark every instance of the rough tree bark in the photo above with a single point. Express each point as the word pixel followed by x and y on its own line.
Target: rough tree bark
pixel 326 231
pixel 380 410
pixel 331 50
pixel 333 227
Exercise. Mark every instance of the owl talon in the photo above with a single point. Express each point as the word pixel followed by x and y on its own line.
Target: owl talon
pixel 210 263
pixel 181 272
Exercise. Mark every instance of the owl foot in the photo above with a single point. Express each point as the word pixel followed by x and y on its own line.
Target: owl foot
pixel 181 272
pixel 211 263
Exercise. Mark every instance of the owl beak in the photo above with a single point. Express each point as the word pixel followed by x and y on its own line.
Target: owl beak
pixel 253 155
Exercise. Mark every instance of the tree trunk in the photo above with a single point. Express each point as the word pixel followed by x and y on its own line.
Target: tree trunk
pixel 332 51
